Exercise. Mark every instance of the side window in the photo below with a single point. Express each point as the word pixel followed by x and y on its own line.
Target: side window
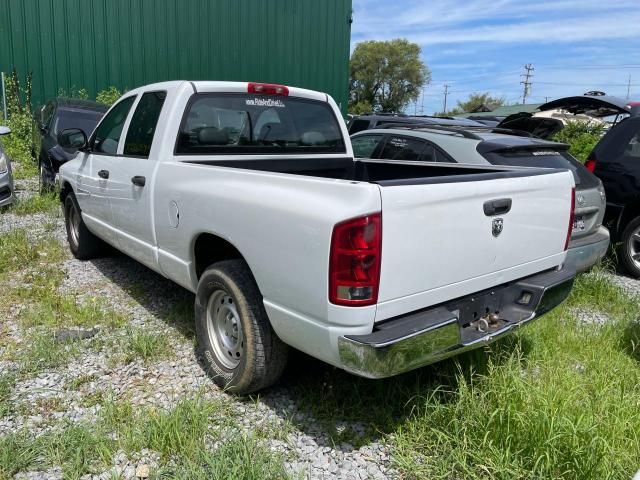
pixel 443 157
pixel 632 148
pixel 143 124
pixel 47 113
pixel 108 133
pixel 364 145
pixel 428 154
pixel 402 148
pixel 358 126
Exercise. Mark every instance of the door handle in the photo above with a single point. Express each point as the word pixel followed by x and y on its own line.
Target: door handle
pixel 103 174
pixel 139 180
pixel 497 207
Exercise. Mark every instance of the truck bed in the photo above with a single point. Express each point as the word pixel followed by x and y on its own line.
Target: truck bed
pixel 380 172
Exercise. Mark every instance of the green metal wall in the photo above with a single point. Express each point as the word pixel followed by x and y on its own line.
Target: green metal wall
pixel 93 44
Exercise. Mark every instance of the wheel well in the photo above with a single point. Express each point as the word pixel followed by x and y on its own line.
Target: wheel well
pixel 209 249
pixel 64 191
pixel 631 211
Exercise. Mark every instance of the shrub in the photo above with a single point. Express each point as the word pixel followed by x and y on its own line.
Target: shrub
pixel 108 96
pixel 81 94
pixel 22 145
pixel 581 136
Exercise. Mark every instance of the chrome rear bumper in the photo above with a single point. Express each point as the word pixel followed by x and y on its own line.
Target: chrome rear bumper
pixel 427 336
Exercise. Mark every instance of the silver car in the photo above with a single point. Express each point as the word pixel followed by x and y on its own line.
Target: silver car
pixel 589 239
pixel 6 178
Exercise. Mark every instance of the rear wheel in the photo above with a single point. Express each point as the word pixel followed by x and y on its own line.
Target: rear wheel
pixel 46 179
pixel 629 251
pixel 240 350
pixel 83 244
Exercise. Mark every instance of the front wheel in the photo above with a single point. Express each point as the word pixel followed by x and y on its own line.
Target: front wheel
pixel 629 252
pixel 83 244
pixel 240 350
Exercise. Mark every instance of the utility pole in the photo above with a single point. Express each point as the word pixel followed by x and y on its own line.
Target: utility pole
pixel 446 92
pixel 527 84
pixel 422 103
pixel 628 86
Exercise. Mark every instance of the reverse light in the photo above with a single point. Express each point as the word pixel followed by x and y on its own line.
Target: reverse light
pixel 4 163
pixel 571 218
pixel 354 261
pixel 267 89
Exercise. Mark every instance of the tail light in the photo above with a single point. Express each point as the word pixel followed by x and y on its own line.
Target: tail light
pixel 591 165
pixel 354 261
pixel 571 218
pixel 267 89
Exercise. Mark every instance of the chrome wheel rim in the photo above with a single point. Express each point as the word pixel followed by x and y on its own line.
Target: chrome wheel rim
pixel 74 225
pixel 225 330
pixel 634 246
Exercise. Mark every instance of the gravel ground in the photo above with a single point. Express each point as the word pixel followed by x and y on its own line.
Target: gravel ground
pixel 148 301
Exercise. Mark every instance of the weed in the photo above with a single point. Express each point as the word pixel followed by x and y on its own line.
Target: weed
pixel 17 251
pixel 43 203
pixel 146 346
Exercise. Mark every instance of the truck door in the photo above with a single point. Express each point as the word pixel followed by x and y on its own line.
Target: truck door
pixel 132 176
pixel 94 179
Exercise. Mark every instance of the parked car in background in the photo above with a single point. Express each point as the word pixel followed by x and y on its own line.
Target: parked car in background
pixel 57 115
pixel 364 122
pixel 6 177
pixel 248 195
pixel 616 161
pixel 594 105
pixel 483 146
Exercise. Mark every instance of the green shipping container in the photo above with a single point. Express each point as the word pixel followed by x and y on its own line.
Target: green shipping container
pixel 92 44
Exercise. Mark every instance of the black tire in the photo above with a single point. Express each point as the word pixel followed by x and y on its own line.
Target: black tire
pixel 83 244
pixel 46 178
pixel 255 358
pixel 630 248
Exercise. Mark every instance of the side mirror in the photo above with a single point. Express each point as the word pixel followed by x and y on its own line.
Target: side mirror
pixel 5 130
pixel 72 138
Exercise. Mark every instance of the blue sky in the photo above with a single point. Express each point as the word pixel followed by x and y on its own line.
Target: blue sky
pixel 482 45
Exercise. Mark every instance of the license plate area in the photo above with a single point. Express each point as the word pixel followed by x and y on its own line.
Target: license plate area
pixel 481 315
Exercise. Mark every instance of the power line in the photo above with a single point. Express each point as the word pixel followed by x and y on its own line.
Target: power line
pixel 446 92
pixel 527 84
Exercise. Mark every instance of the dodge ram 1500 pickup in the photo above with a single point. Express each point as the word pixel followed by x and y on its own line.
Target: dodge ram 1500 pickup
pixel 248 195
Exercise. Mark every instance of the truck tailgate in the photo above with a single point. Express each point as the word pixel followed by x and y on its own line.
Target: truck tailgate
pixel 441 240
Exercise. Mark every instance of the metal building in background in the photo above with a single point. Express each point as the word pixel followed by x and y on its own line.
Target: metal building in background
pixel 93 44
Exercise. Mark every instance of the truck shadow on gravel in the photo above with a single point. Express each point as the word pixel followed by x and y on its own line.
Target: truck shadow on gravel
pixel 334 408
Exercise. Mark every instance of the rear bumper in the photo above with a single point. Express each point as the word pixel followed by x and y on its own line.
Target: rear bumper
pixel 420 338
pixel 585 252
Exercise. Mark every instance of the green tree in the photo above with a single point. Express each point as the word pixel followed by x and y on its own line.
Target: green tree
pixel 386 75
pixel 476 100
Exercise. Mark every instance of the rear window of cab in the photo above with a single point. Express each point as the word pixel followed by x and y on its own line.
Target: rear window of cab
pixel 230 123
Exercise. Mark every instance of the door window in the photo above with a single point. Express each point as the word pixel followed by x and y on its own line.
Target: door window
pixel 403 148
pixel 143 124
pixel 364 145
pixel 108 133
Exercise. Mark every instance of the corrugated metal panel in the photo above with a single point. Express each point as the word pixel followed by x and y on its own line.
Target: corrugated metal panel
pixel 92 44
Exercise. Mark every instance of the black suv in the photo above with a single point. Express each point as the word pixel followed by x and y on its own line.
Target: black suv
pixel 57 115
pixel 616 160
pixel 359 123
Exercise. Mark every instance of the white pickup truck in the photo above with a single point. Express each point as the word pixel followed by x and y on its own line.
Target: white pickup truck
pixel 248 195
